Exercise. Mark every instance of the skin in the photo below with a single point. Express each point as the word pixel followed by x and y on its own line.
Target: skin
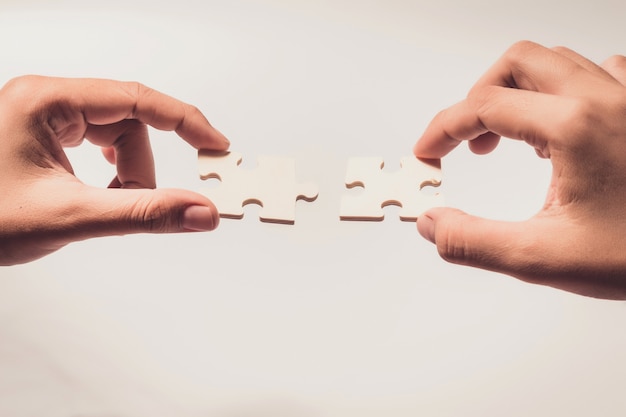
pixel 573 112
pixel 569 109
pixel 44 206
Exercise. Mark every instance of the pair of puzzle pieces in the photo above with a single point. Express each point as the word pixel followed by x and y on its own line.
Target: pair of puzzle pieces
pixel 273 186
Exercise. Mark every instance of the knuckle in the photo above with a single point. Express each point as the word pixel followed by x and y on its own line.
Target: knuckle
pixel 141 96
pixel 451 253
pixel 450 246
pixel 193 111
pixel 583 115
pixel 136 91
pixel 578 122
pixel 561 49
pixel 134 88
pixel 22 81
pixel 190 112
pixel 150 216
pixel 479 97
pixel 186 116
pixel 574 120
pixel 617 62
pixel 22 88
pixel 520 49
pixel 483 100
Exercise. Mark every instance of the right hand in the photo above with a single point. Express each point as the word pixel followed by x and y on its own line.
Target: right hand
pixel 573 112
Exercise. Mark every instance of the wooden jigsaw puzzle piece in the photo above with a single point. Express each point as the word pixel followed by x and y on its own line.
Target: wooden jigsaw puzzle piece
pixel 281 194
pixel 272 185
pixel 224 166
pixel 380 189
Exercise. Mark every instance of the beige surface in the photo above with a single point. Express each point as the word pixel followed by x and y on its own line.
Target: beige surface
pixel 323 318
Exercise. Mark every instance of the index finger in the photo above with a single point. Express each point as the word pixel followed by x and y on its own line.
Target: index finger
pixel 513 99
pixel 105 102
pixel 533 117
pixel 448 129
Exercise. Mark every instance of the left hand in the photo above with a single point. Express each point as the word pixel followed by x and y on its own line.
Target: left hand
pixel 43 206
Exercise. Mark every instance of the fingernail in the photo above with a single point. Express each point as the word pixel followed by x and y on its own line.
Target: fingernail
pixel 426 228
pixel 200 218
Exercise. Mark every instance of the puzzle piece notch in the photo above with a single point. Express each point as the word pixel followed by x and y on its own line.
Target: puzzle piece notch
pixel 381 188
pixel 272 185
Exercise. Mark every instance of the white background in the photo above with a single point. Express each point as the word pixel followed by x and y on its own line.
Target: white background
pixel 323 318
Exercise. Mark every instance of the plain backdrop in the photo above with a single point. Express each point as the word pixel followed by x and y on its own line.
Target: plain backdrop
pixel 323 318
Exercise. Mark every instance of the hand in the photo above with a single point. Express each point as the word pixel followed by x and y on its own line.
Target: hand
pixel 573 112
pixel 43 206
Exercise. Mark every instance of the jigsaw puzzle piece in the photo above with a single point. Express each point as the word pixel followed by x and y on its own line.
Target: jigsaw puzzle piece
pixel 272 185
pixel 380 189
pixel 223 166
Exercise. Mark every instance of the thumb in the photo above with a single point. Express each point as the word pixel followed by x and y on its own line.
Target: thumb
pixel 124 211
pixel 469 240
pixel 47 215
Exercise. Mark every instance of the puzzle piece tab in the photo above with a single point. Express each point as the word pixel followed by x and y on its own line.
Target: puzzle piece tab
pixel 272 185
pixel 401 188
